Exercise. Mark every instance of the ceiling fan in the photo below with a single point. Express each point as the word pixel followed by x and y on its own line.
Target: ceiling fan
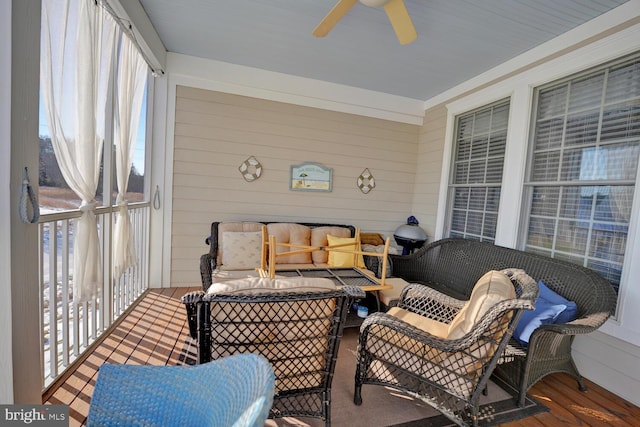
pixel 395 9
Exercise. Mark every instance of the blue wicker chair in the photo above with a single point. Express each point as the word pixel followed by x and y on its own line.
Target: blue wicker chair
pixel 232 391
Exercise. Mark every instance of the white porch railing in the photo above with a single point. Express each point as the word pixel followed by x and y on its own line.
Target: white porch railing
pixel 67 329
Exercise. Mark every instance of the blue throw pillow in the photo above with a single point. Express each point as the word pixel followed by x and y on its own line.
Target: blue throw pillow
pixel 569 314
pixel 544 314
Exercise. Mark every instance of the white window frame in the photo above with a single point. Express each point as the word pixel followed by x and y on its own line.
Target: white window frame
pixel 454 151
pixel 520 87
pixel 607 142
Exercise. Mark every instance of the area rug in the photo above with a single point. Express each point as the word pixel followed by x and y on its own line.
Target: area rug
pixel 491 413
pixel 382 406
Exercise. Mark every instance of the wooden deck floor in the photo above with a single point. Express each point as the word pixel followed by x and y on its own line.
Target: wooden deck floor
pixel 154 333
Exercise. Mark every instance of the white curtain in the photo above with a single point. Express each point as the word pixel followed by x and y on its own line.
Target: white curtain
pixel 132 73
pixel 76 55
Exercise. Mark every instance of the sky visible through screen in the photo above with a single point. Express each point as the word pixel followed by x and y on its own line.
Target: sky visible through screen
pixel 138 154
pixel 62 23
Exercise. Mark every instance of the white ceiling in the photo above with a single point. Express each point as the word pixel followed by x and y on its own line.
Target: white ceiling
pixel 457 39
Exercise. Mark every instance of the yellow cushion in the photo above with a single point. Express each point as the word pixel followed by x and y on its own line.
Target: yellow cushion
pixel 319 238
pixel 374 239
pixel 344 259
pixel 489 290
pixel 439 329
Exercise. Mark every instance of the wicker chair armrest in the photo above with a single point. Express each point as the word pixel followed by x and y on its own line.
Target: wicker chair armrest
pixel 407 330
pixel 192 297
pixel 571 328
pixel 527 288
pixel 192 300
pixel 207 265
pixel 447 345
pixel 428 302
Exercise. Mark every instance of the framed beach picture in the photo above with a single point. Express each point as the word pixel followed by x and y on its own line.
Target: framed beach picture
pixel 310 176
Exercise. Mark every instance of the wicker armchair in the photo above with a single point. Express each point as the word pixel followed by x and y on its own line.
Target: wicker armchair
pixel 453 265
pixel 298 332
pixel 449 371
pixel 236 390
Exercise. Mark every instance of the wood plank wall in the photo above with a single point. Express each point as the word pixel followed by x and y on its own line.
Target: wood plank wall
pixel 215 132
pixel 430 161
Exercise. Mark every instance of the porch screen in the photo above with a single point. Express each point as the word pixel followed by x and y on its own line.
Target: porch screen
pixel 583 167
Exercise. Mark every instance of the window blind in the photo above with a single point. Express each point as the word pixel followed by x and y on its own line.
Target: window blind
pixel 583 167
pixel 475 183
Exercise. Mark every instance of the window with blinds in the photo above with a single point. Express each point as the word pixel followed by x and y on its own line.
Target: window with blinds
pixel 582 170
pixel 475 183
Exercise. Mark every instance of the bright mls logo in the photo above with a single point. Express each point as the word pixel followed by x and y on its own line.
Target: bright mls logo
pixel 37 415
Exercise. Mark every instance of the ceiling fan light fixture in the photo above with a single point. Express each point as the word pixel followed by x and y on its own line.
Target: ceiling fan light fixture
pixel 395 9
pixel 374 3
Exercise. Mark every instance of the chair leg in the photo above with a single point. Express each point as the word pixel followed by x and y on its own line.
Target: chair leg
pixel 357 391
pixel 583 388
pixel 522 394
pixel 357 395
pixel 204 333
pixel 192 317
pixel 578 377
pixel 327 410
pixel 521 397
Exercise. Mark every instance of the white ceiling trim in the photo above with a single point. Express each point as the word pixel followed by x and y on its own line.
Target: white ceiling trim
pixel 145 34
pixel 622 14
pixel 263 84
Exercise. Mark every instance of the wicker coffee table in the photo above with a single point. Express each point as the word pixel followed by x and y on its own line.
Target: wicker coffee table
pixel 344 277
pixel 341 277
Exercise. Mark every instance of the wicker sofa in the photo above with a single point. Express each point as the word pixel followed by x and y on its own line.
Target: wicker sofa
pixel 453 266
pixel 212 268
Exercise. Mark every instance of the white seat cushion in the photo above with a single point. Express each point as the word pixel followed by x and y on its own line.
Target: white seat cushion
pixel 241 250
pixel 255 285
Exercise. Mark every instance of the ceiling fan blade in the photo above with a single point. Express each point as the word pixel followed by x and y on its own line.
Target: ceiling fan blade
pixel 335 14
pixel 401 21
